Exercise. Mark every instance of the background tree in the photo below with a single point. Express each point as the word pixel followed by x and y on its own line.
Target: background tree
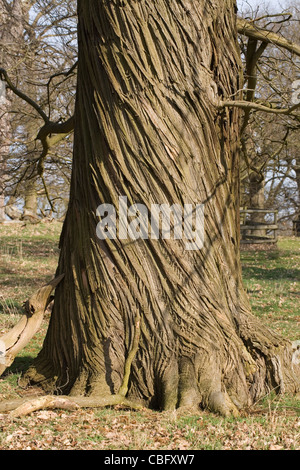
pixel 268 140
pixel 11 15
pixel 40 66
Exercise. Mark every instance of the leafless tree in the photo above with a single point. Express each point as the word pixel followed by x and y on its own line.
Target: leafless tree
pixel 268 140
pixel 38 67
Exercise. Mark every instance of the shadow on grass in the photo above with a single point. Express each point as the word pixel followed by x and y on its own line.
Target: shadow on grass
pixel 271 274
pixel 25 280
pixel 274 255
pixel 20 365
pixel 36 248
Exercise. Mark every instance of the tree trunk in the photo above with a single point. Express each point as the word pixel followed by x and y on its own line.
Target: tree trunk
pixel 148 128
pixel 30 200
pixel 296 222
pixel 257 201
pixel 11 20
pixel 4 151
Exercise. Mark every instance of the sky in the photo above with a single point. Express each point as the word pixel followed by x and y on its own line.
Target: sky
pixel 278 5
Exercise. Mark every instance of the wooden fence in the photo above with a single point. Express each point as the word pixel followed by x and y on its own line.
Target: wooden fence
pixel 258 232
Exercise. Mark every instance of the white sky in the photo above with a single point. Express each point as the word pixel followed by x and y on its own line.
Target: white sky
pixel 275 5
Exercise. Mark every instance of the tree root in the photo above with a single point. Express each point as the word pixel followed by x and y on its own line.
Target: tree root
pixel 220 403
pixel 23 407
pixel 200 385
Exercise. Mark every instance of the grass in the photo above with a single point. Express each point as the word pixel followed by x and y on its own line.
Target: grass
pixel 272 279
pixel 28 258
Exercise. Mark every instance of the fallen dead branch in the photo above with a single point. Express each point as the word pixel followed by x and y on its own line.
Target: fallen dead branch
pixel 25 406
pixel 16 339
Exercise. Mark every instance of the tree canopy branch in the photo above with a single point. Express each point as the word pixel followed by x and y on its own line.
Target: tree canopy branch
pixel 23 96
pixel 247 28
pixel 260 107
pixel 52 132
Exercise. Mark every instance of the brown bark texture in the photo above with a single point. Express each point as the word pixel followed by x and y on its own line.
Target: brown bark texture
pixel 148 127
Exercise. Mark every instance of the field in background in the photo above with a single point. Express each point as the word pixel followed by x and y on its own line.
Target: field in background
pixel 28 259
pixel 272 279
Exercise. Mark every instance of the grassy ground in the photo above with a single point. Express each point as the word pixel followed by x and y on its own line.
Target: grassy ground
pixel 28 257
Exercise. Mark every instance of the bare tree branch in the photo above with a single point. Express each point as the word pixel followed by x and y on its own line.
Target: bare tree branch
pixel 260 107
pixel 4 76
pixel 51 133
pixel 247 28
